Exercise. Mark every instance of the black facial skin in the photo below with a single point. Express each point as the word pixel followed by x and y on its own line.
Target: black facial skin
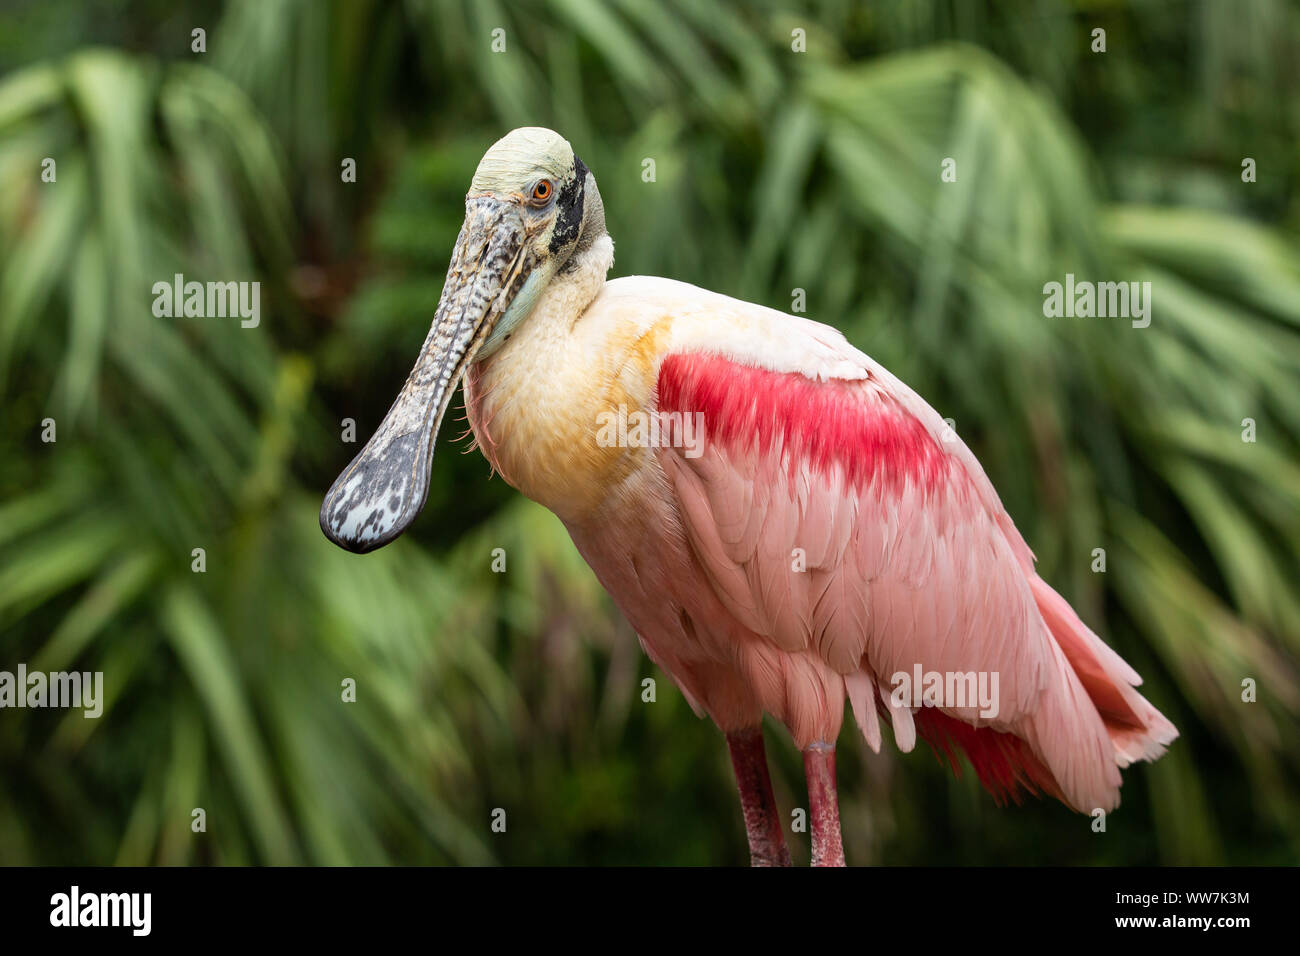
pixel 569 202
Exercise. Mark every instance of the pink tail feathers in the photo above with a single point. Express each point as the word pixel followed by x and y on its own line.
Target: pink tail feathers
pixel 1137 730
pixel 1090 722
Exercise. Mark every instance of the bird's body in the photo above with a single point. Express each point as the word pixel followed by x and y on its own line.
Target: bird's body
pixel 908 556
pixel 821 534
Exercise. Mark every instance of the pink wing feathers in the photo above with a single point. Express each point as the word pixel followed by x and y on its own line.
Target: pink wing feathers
pixel 909 559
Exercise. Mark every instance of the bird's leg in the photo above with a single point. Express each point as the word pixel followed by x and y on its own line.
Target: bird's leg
pixel 823 805
pixel 762 823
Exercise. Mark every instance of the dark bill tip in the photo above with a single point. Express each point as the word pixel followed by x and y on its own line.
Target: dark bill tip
pixel 383 490
pixel 379 494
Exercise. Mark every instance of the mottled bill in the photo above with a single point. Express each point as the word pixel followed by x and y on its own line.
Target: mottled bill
pixel 384 488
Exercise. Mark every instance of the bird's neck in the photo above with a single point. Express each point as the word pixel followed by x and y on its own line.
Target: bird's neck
pixel 577 283
pixel 531 404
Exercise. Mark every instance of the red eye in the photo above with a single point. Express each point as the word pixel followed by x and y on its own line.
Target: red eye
pixel 542 191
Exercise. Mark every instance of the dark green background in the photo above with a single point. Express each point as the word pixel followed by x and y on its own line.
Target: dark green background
pixel 775 170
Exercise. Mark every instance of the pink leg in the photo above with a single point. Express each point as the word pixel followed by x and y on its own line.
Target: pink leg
pixel 823 805
pixel 762 824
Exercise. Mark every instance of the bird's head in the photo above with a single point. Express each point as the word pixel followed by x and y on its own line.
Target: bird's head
pixel 532 205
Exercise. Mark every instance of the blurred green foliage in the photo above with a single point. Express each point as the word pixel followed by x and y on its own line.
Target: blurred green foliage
pixel 775 170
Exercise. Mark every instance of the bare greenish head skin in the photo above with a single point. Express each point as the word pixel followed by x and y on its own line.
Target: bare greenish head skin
pixel 515 239
pixel 522 155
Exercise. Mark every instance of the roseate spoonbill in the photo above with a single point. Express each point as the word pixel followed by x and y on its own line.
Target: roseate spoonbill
pixel 825 536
